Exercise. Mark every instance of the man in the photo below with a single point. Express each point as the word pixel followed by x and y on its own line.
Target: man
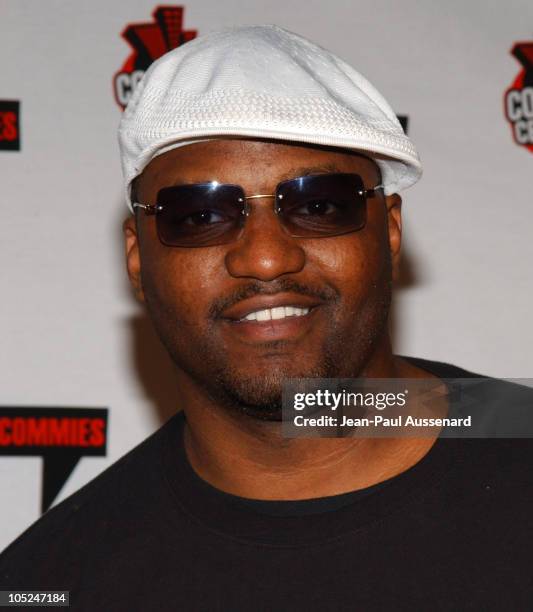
pixel 263 173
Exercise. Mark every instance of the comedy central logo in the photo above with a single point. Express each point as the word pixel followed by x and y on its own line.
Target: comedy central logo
pixel 149 41
pixel 519 97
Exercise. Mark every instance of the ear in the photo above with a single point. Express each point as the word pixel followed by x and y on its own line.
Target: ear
pixel 394 215
pixel 133 259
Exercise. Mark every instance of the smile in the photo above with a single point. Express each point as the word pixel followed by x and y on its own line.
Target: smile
pixel 277 313
pixel 266 318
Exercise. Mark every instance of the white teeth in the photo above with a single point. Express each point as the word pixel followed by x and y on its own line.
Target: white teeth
pixel 264 315
pixel 279 312
pixel 290 311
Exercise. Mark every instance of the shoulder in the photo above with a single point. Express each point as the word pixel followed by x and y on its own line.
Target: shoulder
pixel 501 436
pixel 64 535
pixel 505 398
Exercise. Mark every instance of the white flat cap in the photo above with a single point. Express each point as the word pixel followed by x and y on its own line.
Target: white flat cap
pixel 262 82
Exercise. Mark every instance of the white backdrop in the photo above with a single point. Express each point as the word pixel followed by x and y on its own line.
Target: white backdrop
pixel 71 333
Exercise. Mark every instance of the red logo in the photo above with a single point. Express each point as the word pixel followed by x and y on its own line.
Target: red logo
pixel 9 125
pixel 519 97
pixel 149 41
pixel 61 436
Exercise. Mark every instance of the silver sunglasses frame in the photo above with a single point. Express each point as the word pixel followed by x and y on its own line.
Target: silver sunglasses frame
pixel 152 209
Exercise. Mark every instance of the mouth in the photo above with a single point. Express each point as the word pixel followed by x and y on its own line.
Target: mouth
pixel 275 317
pixel 276 314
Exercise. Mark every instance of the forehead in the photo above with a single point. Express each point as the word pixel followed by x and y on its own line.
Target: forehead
pixel 250 163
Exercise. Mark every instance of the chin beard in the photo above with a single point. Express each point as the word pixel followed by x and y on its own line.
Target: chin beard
pixel 260 396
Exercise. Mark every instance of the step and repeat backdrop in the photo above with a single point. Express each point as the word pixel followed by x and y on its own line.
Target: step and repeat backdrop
pixel 83 377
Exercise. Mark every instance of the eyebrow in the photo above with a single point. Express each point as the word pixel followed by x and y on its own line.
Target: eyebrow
pixel 307 170
pixel 292 173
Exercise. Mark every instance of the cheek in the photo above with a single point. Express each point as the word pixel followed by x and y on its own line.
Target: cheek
pixel 356 264
pixel 180 283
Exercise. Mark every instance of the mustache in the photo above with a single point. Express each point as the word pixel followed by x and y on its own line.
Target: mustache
pixel 325 293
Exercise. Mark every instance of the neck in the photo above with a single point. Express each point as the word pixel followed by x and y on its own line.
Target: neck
pixel 250 458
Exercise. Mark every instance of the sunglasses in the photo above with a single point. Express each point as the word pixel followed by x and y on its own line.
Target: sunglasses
pixel 209 214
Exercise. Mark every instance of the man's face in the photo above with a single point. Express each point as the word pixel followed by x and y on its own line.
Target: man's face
pixel 198 297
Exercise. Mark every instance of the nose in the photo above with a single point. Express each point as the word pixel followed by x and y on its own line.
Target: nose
pixel 265 250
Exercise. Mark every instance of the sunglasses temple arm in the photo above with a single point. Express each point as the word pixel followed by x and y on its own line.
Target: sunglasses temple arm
pixel 148 208
pixel 370 193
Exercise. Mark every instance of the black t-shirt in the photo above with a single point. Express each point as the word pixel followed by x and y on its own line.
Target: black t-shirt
pixel 454 532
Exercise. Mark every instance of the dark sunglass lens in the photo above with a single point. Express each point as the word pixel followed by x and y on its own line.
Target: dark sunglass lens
pixel 322 205
pixel 206 214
